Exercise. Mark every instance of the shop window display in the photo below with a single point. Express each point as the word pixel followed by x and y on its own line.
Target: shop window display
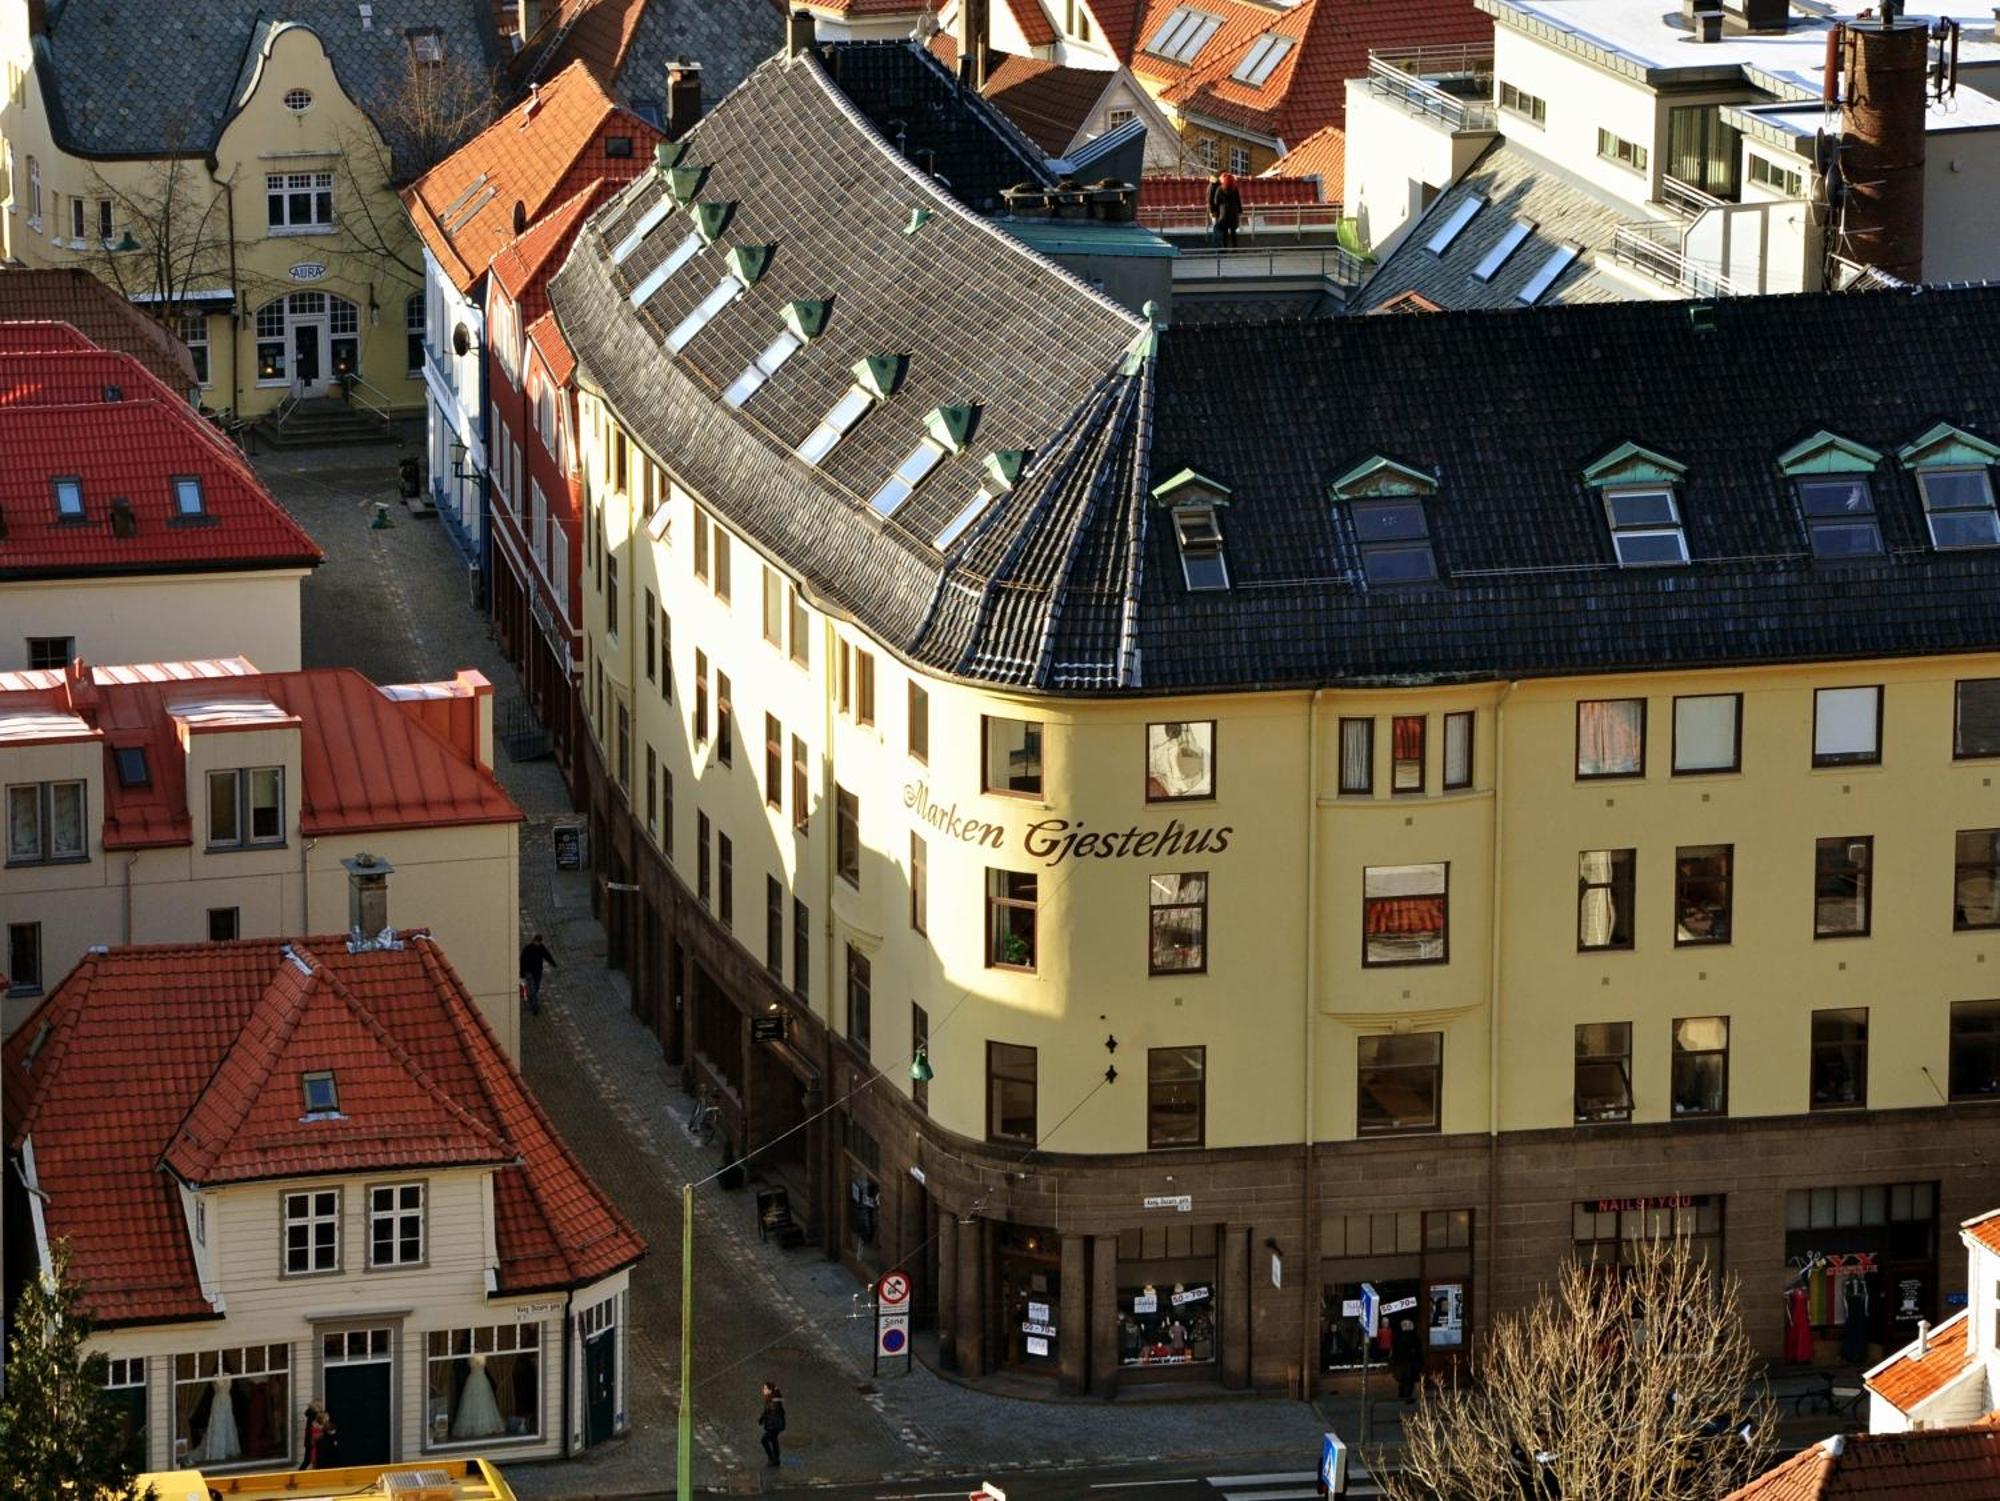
pixel 1166 1296
pixel 1863 1259
pixel 1420 1263
pixel 1028 1260
pixel 1607 1231
pixel 484 1384
pixel 232 1406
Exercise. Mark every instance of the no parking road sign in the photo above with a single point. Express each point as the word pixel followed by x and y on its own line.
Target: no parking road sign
pixel 892 1318
pixel 893 1292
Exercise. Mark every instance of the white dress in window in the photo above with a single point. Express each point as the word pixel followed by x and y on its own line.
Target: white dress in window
pixel 478 1413
pixel 221 1444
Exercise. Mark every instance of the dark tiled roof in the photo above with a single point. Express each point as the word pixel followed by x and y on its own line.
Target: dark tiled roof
pixel 629 43
pixel 1050 103
pixel 980 319
pixel 115 85
pixel 1517 187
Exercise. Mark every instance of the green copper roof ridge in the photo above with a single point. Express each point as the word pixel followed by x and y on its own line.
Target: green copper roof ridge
pixel 1338 489
pixel 1187 477
pixel 1804 456
pixel 1651 462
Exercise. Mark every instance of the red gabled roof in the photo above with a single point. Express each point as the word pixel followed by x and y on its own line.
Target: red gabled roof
pixel 1985 1229
pixel 1906 1379
pixel 102 1088
pixel 1321 156
pixel 75 297
pixel 367 760
pixel 548 339
pixel 1034 22
pixel 101 417
pixel 1160 191
pixel 251 1122
pixel 1936 1464
pixel 523 269
pixel 540 153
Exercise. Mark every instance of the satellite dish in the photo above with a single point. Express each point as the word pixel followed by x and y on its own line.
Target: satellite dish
pixel 461 341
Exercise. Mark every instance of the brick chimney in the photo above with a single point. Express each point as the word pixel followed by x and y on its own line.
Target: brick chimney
pixel 683 97
pixel 801 33
pixel 367 898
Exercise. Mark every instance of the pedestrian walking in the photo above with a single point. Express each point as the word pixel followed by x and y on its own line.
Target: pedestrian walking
pixel 309 1451
pixel 1406 1361
pixel 1225 209
pixel 772 1422
pixel 534 958
pixel 327 1456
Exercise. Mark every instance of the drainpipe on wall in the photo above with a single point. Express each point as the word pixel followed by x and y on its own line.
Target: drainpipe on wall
pixel 235 299
pixel 829 1195
pixel 1493 990
pixel 306 848
pixel 1308 1273
pixel 130 861
pixel 569 1376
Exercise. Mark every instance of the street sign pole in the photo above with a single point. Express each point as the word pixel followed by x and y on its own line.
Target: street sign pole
pixel 1371 1322
pixel 684 1437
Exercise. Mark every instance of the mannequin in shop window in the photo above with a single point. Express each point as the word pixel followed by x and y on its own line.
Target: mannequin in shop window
pixel 1854 1320
pixel 1798 1325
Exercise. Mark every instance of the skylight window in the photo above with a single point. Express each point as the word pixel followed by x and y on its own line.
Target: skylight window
pixel 1395 542
pixel 1199 532
pixel 1958 504
pixel 836 424
pixel 1460 216
pixel 188 500
pixel 1645 527
pixel 656 278
pixel 968 513
pixel 1262 59
pixel 1840 517
pixel 648 222
pixel 132 768
pixel 726 291
pixel 1183 34
pixel 322 1097
pixel 69 499
pixel 761 369
pixel 1545 277
pixel 1506 245
pixel 925 457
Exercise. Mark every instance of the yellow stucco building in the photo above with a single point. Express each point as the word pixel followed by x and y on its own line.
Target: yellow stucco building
pixel 1151 828
pixel 239 176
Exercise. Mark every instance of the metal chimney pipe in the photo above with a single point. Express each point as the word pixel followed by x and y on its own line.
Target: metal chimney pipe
pixel 1882 147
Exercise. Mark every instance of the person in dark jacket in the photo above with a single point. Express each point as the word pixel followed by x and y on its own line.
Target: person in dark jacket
pixel 1406 1360
pixel 1225 209
pixel 772 1422
pixel 534 958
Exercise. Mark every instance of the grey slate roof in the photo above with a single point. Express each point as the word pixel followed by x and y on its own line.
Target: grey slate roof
pixel 129 78
pixel 980 320
pixel 1516 185
pixel 728 38
pixel 1071 583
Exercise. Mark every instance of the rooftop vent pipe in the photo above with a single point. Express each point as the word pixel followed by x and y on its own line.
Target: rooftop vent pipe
pixel 1882 144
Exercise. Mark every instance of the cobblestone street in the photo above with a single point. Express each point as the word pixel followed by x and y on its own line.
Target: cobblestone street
pixel 394 603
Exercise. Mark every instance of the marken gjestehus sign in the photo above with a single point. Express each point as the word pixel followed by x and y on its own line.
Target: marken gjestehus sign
pixel 1054 840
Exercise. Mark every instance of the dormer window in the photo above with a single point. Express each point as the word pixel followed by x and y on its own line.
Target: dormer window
pixel 69 498
pixel 322 1094
pixel 836 424
pixel 1386 500
pixel 132 768
pixel 949 428
pixel 427 47
pixel 1637 487
pixel 188 498
pixel 1199 532
pixel 656 278
pixel 1954 471
pixel 1840 517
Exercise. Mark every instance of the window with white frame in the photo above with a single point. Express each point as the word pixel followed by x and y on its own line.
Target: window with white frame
pixel 1645 527
pixel 125 1387
pixel 720 296
pixel 836 424
pixel 1958 504
pixel 1183 34
pixel 1198 530
pixel 272 351
pixel 482 1385
pixel 1261 59
pixel 45 823
pixel 925 457
pixel 34 194
pixel 658 277
pixel 396 1224
pixel 312 1232
pixel 233 1407
pixel 298 202
pixel 761 369
pixel 246 806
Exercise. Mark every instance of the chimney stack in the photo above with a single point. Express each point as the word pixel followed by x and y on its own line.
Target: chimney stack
pixel 801 33
pixel 38 17
pixel 971 31
pixel 1882 144
pixel 683 97
pixel 1923 1335
pixel 123 522
pixel 367 898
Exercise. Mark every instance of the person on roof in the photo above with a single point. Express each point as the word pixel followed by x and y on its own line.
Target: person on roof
pixel 1225 209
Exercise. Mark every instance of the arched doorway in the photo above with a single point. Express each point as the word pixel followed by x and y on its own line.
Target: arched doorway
pixel 307 340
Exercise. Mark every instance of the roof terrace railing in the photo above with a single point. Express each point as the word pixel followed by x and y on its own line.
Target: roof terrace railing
pixel 1686 199
pixel 1261 218
pixel 1325 263
pixel 1640 247
pixel 1452 85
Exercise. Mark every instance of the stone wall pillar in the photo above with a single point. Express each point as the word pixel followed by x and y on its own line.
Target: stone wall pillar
pixel 947 1288
pixel 971 1339
pixel 1072 1332
pixel 1233 1307
pixel 1104 1315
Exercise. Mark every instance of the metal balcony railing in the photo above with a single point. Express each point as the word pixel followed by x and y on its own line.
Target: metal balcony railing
pixel 1262 218
pixel 1452 85
pixel 1687 200
pixel 1325 263
pixel 1641 247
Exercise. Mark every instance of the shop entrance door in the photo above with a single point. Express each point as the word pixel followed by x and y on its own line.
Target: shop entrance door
pixel 360 1378
pixel 308 361
pixel 600 1381
pixel 1028 1269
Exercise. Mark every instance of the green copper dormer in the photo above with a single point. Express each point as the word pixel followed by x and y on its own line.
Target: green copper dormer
pixel 667 155
pixel 748 262
pixel 1191 488
pixel 1943 446
pixel 950 426
pixel 1828 453
pixel 1632 464
pixel 684 181
pixel 919 217
pixel 709 218
pixel 1003 467
pixel 807 319
pixel 1379 478
pixel 880 374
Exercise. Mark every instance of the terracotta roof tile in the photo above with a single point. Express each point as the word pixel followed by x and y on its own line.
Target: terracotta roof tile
pixel 524 267
pixel 1050 103
pixel 1034 22
pixel 1117 21
pixel 1321 155
pixel 547 337
pixel 478 200
pixel 1159 191
pixel 1941 1464
pixel 1904 1379
pixel 77 298
pixel 1985 1229
pixel 377 1017
pixel 101 417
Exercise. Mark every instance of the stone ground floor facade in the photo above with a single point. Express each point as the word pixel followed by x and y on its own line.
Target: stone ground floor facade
pixel 1243 1268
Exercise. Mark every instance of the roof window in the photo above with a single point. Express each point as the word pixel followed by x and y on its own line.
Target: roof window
pixel 322 1095
pixel 1830 476
pixel 1183 34
pixel 427 46
pixel 1637 486
pixel 1262 59
pixel 1490 264
pixel 1954 472
pixel 1196 500
pixel 949 428
pixel 1385 501
pixel 836 424
pixel 726 291
pixel 1456 220
pixel 69 498
pixel 648 222
pixel 656 278
pixel 1003 468
pixel 188 497
pixel 1545 276
pixel 761 369
pixel 132 768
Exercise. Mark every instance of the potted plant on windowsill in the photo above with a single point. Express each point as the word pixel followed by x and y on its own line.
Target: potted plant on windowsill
pixel 1014 950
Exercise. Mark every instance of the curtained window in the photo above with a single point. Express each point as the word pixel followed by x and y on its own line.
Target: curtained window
pixel 1604 883
pixel 1976 726
pixel 1357 757
pixel 1458 750
pixel 1707 733
pixel 1847 726
pixel 1406 755
pixel 1403 914
pixel 1611 737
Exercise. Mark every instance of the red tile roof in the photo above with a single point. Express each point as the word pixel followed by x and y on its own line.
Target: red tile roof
pixel 1940 1464
pixel 1050 103
pixel 1906 1379
pixel 99 1143
pixel 77 298
pixel 523 269
pixel 367 760
pixel 100 416
pixel 1321 155
pixel 1306 91
pixel 1160 191
pixel 1034 22
pixel 555 351
pixel 478 200
pixel 1985 1229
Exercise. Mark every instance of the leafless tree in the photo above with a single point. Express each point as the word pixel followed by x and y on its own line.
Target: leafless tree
pixel 171 233
pixel 1634 1384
